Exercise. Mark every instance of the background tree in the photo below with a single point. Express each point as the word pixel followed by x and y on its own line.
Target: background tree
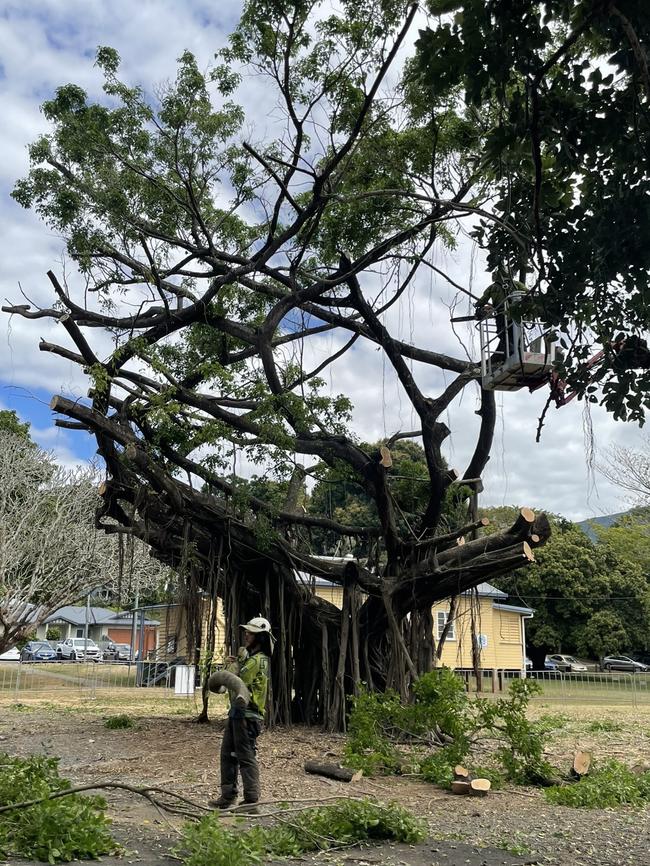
pixel 11 423
pixel 51 554
pixel 589 598
pixel 216 262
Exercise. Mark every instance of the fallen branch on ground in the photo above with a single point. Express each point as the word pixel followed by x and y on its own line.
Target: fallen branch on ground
pixel 148 793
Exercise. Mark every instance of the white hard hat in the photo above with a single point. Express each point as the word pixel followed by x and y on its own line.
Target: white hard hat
pixel 259 625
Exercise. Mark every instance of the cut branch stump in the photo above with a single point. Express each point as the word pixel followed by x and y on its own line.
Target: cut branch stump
pixel 581 764
pixel 479 787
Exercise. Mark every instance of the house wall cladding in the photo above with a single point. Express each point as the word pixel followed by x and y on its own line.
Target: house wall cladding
pixel 498 633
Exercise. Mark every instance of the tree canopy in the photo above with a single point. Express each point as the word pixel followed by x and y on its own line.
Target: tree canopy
pixel 560 92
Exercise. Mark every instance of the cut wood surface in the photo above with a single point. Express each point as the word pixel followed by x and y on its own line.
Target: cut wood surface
pixel 479 787
pixel 461 773
pixel 333 771
pixel 581 762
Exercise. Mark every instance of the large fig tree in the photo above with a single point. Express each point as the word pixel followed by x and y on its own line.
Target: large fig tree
pixel 214 258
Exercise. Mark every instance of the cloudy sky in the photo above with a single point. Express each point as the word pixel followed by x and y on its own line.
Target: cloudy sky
pixel 46 43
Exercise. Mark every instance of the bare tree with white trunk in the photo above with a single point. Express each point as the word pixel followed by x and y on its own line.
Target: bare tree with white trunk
pixel 629 469
pixel 51 553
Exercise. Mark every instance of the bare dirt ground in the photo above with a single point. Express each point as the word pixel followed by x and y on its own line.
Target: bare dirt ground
pixel 509 828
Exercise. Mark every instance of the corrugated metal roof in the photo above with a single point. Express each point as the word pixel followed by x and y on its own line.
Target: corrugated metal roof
pixel 76 615
pixel 514 608
pixel 485 590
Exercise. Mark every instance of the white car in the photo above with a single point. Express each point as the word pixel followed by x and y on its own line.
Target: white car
pixel 12 655
pixel 78 648
pixel 567 664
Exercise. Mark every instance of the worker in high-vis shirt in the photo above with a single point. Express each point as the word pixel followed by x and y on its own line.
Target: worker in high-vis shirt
pixel 244 725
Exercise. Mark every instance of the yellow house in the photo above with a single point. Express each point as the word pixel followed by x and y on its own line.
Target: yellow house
pixel 172 633
pixel 497 628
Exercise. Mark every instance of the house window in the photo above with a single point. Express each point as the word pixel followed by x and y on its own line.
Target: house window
pixel 172 645
pixel 510 628
pixel 80 632
pixel 442 621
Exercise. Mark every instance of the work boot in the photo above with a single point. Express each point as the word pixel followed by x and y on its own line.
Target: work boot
pixel 221 803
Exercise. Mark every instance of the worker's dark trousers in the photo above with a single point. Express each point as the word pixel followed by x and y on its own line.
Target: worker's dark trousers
pixel 239 754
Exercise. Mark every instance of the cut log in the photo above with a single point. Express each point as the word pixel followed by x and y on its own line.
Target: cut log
pixel 528 552
pixel 460 786
pixel 524 521
pixel 534 538
pixel 581 763
pixel 461 773
pixel 333 771
pixel 238 691
pixel 479 787
pixel 386 459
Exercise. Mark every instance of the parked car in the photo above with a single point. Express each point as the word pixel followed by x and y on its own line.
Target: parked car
pixel 623 663
pixel 528 663
pixel 78 648
pixel 37 651
pixel 119 652
pixel 549 665
pixel 12 655
pixel 566 663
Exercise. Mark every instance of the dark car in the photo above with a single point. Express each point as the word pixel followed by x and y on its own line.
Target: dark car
pixel 623 663
pixel 37 651
pixel 119 652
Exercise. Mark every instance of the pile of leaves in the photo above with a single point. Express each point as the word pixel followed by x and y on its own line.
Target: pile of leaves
pixel 73 827
pixel 442 727
pixel 346 822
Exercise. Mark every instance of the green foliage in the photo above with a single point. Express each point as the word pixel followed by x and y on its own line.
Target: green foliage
pixel 346 822
pixel 119 722
pixel 610 784
pixel 521 753
pixel 551 722
pixel 68 828
pixel 604 725
pixel 555 87
pixel 368 747
pixel 10 423
pixel 589 598
pixel 339 494
pixel 53 633
pixel 441 704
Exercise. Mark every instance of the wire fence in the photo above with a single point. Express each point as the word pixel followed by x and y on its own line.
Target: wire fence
pixel 584 687
pixel 87 678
